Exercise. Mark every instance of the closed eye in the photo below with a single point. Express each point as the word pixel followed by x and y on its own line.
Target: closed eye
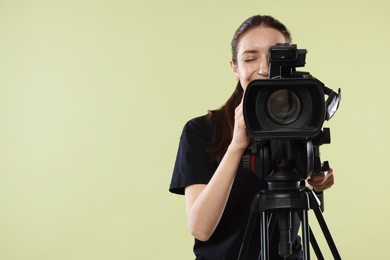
pixel 249 59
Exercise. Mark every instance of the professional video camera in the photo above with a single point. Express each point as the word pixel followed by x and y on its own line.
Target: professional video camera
pixel 284 116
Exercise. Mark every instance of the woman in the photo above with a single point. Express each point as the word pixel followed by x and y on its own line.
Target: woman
pixel 217 190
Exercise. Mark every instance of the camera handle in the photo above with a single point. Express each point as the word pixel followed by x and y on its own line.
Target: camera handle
pixel 332 103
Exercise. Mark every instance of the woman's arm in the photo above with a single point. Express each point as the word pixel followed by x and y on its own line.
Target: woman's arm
pixel 205 204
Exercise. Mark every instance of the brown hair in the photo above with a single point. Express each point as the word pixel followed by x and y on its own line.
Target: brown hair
pixel 223 118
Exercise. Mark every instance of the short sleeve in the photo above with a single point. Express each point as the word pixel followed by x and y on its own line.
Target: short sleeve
pixel 193 164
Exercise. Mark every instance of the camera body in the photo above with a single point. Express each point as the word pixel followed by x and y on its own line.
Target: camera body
pixel 284 116
pixel 289 104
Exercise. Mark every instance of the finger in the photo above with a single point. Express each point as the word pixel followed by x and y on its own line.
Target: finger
pixel 316 180
pixel 326 184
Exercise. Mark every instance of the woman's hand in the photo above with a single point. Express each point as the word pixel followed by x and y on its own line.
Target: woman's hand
pixel 240 138
pixel 321 182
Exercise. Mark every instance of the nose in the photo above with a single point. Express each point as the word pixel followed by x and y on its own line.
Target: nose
pixel 264 67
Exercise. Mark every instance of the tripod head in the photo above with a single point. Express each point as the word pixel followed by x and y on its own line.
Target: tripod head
pixel 284 163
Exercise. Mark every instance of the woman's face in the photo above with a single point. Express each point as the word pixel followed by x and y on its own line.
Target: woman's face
pixel 252 52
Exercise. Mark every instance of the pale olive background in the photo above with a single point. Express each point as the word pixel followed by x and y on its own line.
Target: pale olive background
pixel 94 95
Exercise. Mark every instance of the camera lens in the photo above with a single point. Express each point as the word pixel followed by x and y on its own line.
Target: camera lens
pixel 283 107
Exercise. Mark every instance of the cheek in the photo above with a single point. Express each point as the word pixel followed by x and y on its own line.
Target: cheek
pixel 246 74
pixel 249 70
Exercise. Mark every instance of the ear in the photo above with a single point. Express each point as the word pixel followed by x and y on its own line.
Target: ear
pixel 235 70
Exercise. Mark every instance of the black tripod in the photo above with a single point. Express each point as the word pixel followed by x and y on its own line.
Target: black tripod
pixel 277 205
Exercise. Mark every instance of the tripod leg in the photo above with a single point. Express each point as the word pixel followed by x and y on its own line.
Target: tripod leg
pixel 305 235
pixel 273 217
pixel 315 246
pixel 327 234
pixel 264 235
pixel 271 226
pixel 247 236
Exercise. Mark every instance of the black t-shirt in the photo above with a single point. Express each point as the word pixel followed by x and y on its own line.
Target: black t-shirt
pixel 194 165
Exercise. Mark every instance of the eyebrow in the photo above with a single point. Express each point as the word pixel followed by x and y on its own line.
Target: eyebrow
pixel 249 51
